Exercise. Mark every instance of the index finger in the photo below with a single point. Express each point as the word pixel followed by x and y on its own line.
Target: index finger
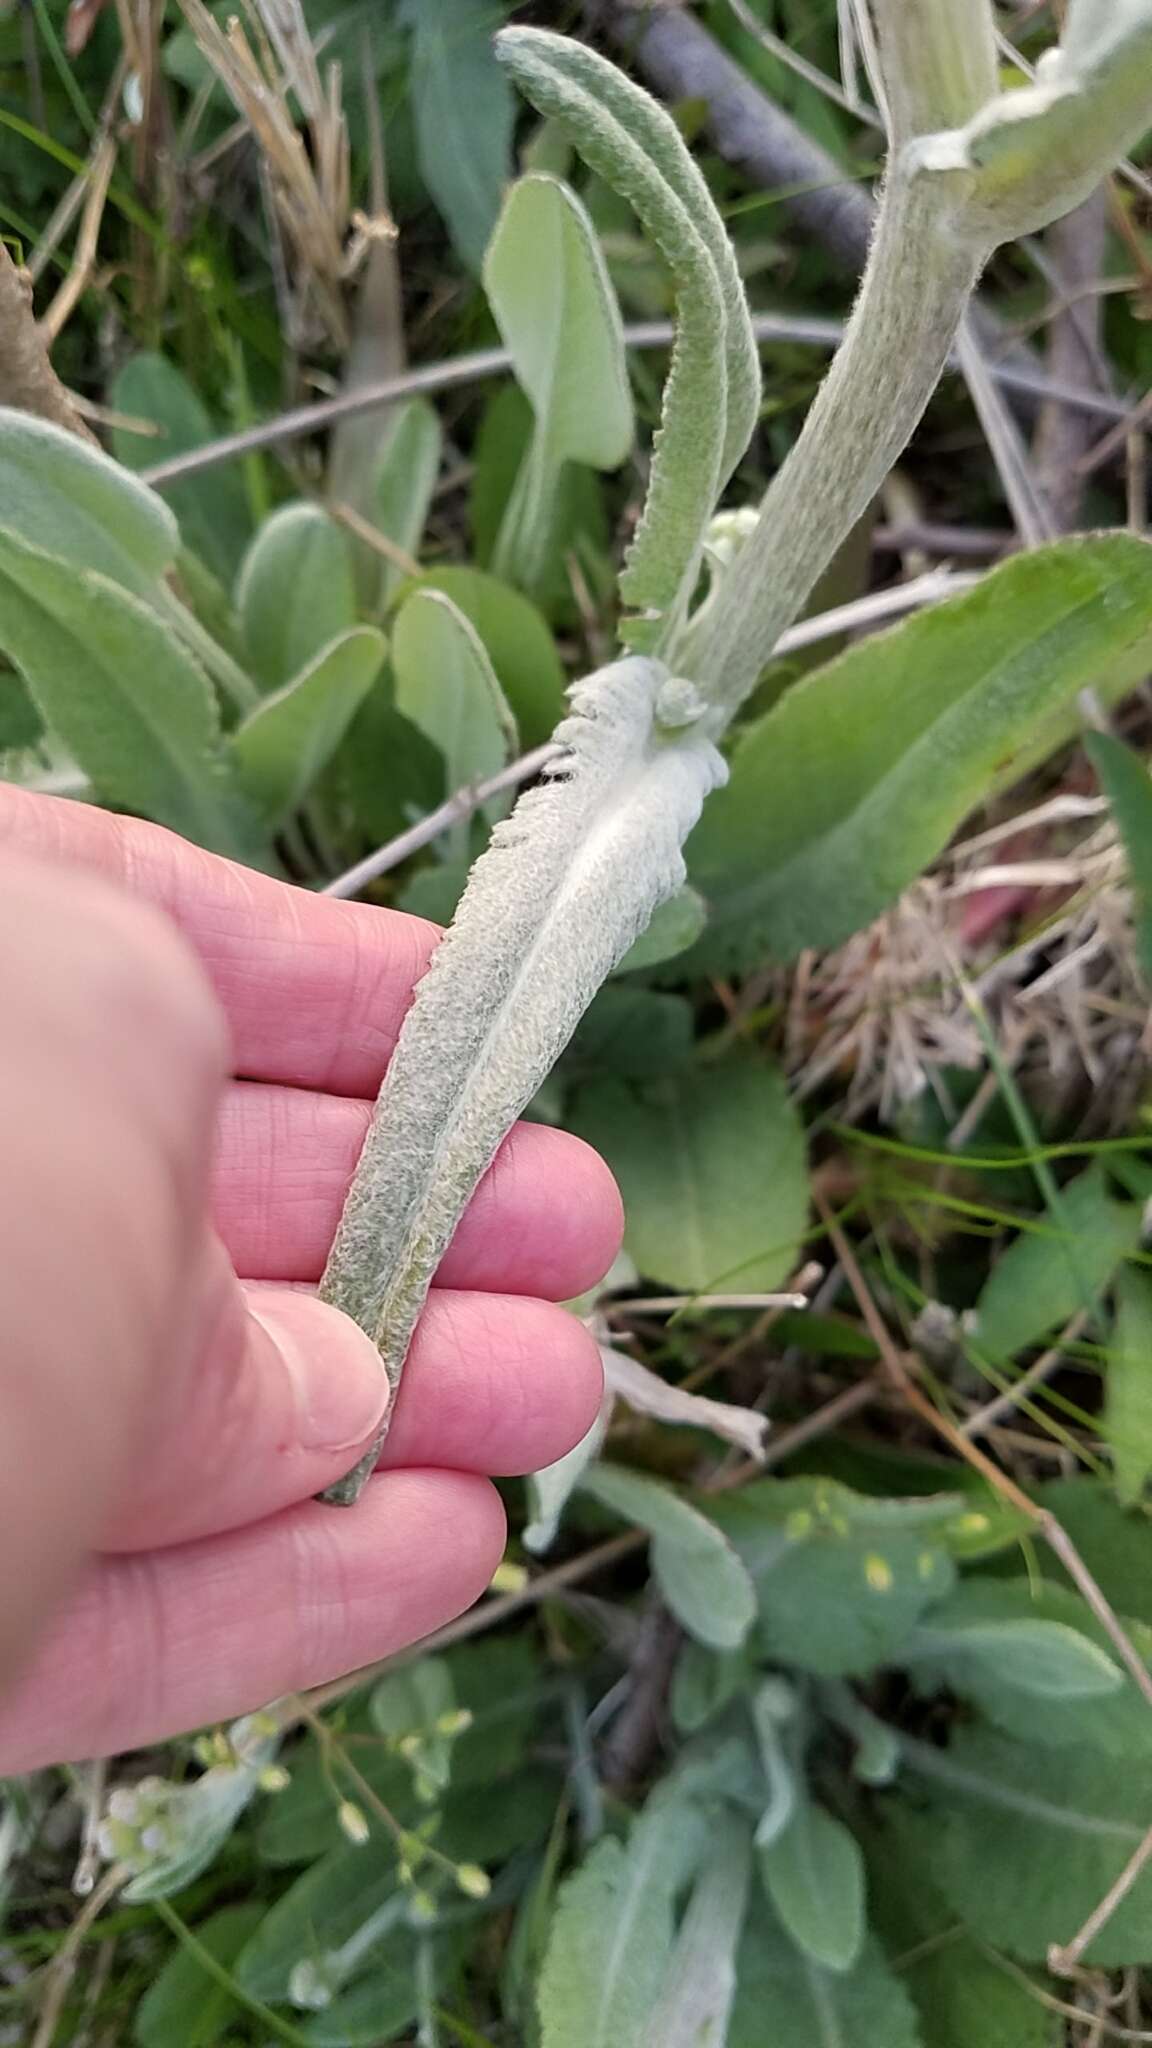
pixel 315 990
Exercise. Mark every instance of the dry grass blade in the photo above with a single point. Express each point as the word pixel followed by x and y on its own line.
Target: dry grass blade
pixel 310 190
pixel 79 277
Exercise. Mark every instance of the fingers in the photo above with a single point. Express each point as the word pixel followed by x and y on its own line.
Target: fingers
pixel 315 990
pixel 151 1646
pixel 112 1055
pixel 546 1218
pixel 291 1393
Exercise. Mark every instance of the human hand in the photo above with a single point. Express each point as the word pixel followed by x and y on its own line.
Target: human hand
pixel 164 1424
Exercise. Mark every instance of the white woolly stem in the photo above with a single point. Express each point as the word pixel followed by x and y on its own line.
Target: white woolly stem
pixel 937 61
pixel 916 286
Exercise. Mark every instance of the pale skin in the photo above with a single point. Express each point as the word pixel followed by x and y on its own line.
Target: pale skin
pixel 188 1053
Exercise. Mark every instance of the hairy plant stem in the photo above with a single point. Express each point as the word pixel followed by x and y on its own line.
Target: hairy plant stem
pixel 915 289
pixel 938 61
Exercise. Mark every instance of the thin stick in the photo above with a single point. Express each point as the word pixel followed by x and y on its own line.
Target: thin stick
pixel 460 805
pixel 985 1418
pixel 62 1968
pixel 672 1304
pixel 355 522
pixel 489 362
pixel 1063 1962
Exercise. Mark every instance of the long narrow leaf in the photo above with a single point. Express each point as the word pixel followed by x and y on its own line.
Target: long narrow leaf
pixel 568 882
pixel 612 124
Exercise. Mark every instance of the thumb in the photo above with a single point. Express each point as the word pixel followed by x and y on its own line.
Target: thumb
pixel 286 1395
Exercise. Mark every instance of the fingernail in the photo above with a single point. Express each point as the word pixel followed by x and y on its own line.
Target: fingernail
pixel 337 1375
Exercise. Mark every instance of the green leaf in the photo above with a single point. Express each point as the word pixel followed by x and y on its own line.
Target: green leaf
pixel 296 592
pixel 20 723
pixel 1050 1272
pixel 57 492
pixel 212 508
pixel 1113 1542
pixel 412 1709
pixel 1007 1644
pixel 497 1682
pixel 538 930
pixel 711 1167
pixel 633 1032
pixel 965 1995
pixel 118 688
pixel 1025 1841
pixel 702 1579
pixel 405 480
pixel 700 1985
pixel 845 791
pixel 611 1934
pixel 578 529
pixel 557 313
pixel 184 2003
pixel 463 112
pixel 520 646
pixel 352 1895
pixel 808 2007
pixel 445 684
pixel 435 890
pixel 840 1579
pixel 711 398
pixel 977 1629
pixel 1124 779
pixel 556 310
pixel 675 926
pixel 288 740
pixel 814 1875
pixel 1127 1423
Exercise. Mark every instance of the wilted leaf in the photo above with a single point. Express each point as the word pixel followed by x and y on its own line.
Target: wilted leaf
pixel 647 1394
pixel 711 1166
pixel 288 740
pixel 117 687
pixel 1127 1423
pixel 699 1573
pixel 848 788
pixel 1048 1273
pixel 212 508
pixel 296 591
pixel 814 1875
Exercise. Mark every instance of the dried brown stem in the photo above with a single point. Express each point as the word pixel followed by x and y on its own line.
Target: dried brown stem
pixel 27 380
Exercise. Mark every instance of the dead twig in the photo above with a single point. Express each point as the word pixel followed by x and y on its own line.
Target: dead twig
pixel 27 380
pixel 1063 1962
